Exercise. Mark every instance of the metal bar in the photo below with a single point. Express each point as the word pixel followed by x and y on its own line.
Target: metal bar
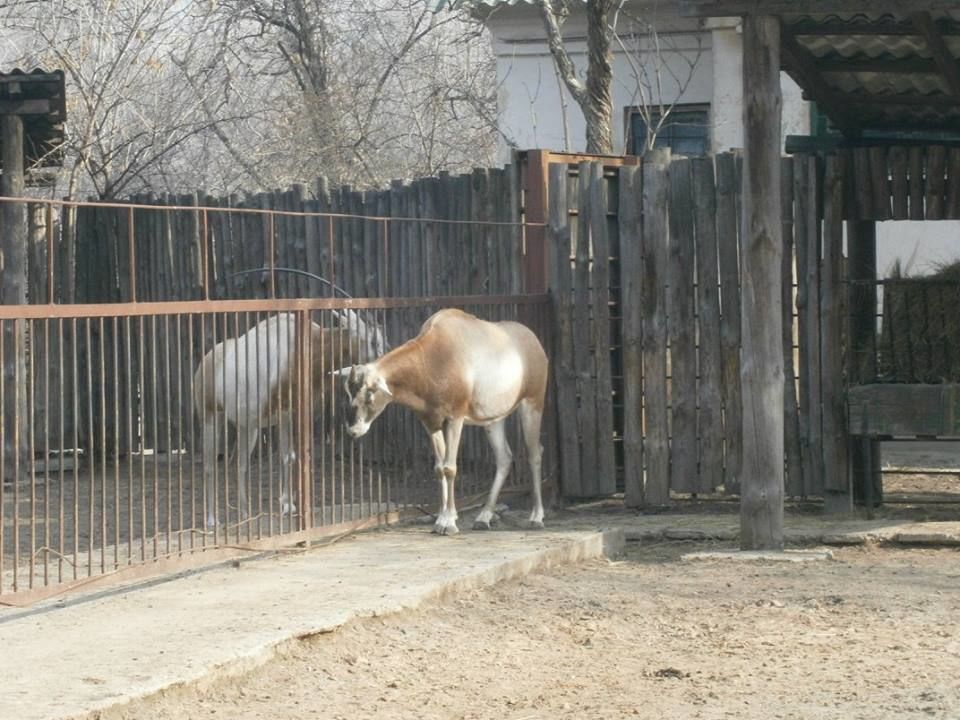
pixel 156 430
pixel 223 496
pixel 192 440
pixel 3 457
pixel 128 362
pixel 179 446
pixel 143 441
pixel 116 443
pixel 90 449
pixel 258 381
pixel 103 452
pixel 76 447
pixel 31 455
pixel 173 307
pixel 62 484
pixel 240 367
pixel 205 209
pixel 204 455
pixel 168 407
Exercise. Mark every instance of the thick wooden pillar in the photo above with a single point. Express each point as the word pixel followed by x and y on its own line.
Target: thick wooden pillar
pixel 762 487
pixel 13 291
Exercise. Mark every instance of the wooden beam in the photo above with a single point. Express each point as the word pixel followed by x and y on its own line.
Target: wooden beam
pixel 801 66
pixel 905 100
pixel 808 144
pixel 762 488
pixel 25 107
pixel 892 66
pixel 938 48
pixel 732 8
pixel 883 26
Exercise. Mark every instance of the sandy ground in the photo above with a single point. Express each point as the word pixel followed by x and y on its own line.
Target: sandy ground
pixel 874 633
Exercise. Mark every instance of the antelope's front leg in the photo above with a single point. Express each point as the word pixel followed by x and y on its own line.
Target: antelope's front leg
pixel 446 523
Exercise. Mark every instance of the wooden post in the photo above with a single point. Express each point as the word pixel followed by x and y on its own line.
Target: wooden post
pixel 791 435
pixel 761 501
pixel 728 232
pixel 681 331
pixel 862 356
pixel 561 288
pixel 837 495
pixel 805 189
pixel 13 291
pixel 631 270
pixel 656 179
pixel 535 211
pixel 709 422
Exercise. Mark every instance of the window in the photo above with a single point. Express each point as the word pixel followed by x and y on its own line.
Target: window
pixel 684 132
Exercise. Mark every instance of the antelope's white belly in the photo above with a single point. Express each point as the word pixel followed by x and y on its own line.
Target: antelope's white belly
pixel 497 382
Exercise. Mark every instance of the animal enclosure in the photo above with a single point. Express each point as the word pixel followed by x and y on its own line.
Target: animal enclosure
pixel 103 463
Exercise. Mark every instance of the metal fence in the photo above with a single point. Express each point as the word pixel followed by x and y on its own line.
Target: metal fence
pixel 140 436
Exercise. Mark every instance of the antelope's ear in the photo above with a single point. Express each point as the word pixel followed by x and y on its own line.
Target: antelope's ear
pixel 382 386
pixel 343 372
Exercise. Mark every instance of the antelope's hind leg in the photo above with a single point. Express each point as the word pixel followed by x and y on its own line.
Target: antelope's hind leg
pixel 530 419
pixel 497 435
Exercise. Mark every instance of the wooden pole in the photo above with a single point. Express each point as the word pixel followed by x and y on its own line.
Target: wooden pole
pixel 862 250
pixel 761 502
pixel 13 291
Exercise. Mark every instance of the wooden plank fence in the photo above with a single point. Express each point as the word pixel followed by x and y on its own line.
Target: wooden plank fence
pixel 678 320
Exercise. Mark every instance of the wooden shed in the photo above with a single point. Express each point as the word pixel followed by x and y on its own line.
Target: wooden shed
pixel 886 76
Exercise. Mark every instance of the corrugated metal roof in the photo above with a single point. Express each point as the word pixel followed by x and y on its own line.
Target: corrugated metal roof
pixel 437 5
pixel 878 71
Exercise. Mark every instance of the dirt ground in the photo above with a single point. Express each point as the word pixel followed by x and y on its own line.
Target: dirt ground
pixel 874 633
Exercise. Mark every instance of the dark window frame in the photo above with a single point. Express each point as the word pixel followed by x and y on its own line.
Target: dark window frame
pixel 666 137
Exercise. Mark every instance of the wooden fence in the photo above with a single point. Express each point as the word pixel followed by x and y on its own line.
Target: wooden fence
pixel 643 264
pixel 646 281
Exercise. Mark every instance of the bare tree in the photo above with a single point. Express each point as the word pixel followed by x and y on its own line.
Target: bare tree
pixel 656 61
pixel 374 89
pixel 249 94
pixel 593 96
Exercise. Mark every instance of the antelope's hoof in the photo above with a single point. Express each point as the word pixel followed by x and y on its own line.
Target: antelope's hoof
pixel 535 525
pixel 481 524
pixel 445 529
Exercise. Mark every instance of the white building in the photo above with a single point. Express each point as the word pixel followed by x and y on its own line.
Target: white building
pixel 700 77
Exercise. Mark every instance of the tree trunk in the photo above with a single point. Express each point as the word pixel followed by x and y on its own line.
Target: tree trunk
pixel 598 109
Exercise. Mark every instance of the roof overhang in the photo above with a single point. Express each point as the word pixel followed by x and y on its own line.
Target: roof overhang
pixel 39 97
pixel 871 67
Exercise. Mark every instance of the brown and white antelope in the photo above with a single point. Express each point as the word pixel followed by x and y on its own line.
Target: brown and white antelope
pixel 460 370
pixel 248 383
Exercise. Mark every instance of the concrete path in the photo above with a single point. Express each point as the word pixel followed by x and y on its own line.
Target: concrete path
pixel 69 659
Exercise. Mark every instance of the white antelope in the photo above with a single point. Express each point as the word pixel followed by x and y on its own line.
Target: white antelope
pixel 460 370
pixel 248 382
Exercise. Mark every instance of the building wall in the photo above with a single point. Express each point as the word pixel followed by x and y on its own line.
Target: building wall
pixel 536 109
